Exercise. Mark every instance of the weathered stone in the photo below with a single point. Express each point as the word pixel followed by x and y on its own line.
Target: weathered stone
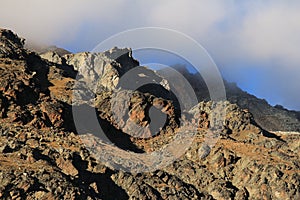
pixel 52 57
pixel 11 46
pixel 42 157
pixel 66 166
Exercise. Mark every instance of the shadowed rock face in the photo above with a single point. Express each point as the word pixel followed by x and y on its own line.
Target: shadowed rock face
pixel 43 157
pixel 268 117
pixel 11 46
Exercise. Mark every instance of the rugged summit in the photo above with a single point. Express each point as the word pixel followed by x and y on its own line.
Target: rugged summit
pixel 43 155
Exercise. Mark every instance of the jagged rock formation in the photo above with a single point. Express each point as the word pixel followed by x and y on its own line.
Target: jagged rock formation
pixel 43 157
pixel 271 118
pixel 268 117
pixel 11 45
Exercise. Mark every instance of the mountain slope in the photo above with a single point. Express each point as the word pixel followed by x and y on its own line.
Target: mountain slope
pixel 268 117
pixel 43 155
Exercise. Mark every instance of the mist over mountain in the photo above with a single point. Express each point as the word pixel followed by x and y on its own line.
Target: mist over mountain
pixel 247 39
pixel 272 118
pixel 72 127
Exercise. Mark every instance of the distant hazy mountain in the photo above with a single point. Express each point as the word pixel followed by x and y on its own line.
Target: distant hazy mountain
pixel 40 49
pixel 272 118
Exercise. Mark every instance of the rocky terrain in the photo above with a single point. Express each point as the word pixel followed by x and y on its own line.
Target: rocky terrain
pixel 44 155
pixel 272 118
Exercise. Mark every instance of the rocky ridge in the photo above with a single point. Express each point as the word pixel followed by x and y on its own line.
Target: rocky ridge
pixel 271 118
pixel 43 157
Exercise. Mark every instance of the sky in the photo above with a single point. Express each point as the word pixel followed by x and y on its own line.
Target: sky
pixel 254 43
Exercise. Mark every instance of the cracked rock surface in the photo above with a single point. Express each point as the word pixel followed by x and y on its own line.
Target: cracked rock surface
pixel 44 155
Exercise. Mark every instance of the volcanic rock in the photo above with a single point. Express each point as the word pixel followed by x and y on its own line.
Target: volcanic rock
pixel 11 46
pixel 44 155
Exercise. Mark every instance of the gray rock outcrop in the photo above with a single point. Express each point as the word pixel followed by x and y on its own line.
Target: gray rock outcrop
pixel 43 155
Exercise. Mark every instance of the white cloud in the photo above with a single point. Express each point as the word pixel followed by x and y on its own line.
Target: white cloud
pixel 273 32
pixel 264 33
pixel 192 17
pixel 46 21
